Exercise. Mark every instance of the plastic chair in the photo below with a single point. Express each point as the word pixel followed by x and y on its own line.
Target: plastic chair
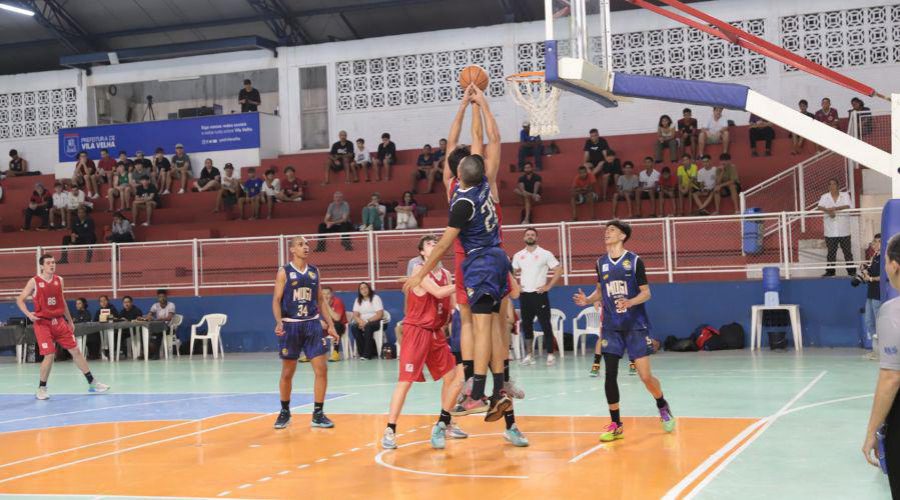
pixel 348 344
pixel 214 324
pixel 592 325
pixel 169 335
pixel 379 333
pixel 518 340
pixel 557 323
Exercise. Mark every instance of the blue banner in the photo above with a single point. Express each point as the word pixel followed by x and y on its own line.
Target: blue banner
pixel 206 133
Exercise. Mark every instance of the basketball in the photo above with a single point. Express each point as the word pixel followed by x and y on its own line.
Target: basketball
pixel 473 74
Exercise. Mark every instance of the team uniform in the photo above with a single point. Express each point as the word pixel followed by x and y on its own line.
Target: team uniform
pixel 423 342
pixel 456 335
pixel 300 314
pixel 625 329
pixel 50 308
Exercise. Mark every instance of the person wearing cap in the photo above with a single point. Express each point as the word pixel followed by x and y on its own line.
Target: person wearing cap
pixel 530 145
pixel 181 167
pixel 248 98
pixel 38 204
pixel 163 170
pixel 210 178
pixel 231 188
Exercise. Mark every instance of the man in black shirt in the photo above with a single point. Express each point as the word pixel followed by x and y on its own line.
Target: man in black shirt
pixel 339 158
pixel 386 156
pixel 129 312
pixel 529 188
pixel 595 150
pixel 249 98
pixel 210 177
pixel 108 313
pixel 608 172
pixel 83 233
pixel 872 276
pixel 425 169
pixel 162 168
pixel 147 197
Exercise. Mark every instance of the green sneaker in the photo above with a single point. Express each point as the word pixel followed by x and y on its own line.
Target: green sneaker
pixel 667 419
pixel 632 370
pixel 595 370
pixel 613 432
pixel 515 436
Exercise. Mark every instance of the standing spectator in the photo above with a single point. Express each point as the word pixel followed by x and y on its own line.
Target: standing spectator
pixel 608 172
pixel 162 310
pixel 688 130
pixel 373 214
pixel 728 183
pixel 252 194
pixel 146 197
pixel 406 213
pixel 181 167
pixel 17 165
pixel 529 189
pixel 666 138
pixel 271 190
pixel 668 188
pixel 648 180
pixel 83 233
pixel 871 274
pixel 706 181
pixel 532 264
pixel 368 311
pixel 836 226
pixel 386 156
pixel 595 150
pixel 530 145
pixel 122 231
pixel 338 312
pixel 106 167
pixel 340 158
pixel 627 185
pixel 121 184
pixel 163 169
pixel 231 189
pixel 337 220
pixel 86 174
pixel 424 170
pixel 248 98
pixel 59 206
pixel 210 177
pixel 715 131
pixel 439 155
pixel 760 130
pixel 291 188
pixel 362 159
pixel 76 200
pixel 583 191
pixel 827 115
pixel 687 183
pixel 38 204
pixel 797 141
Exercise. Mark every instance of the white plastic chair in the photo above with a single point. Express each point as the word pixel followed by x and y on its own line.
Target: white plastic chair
pixel 169 335
pixel 348 343
pixel 518 340
pixel 592 325
pixel 379 333
pixel 214 324
pixel 557 323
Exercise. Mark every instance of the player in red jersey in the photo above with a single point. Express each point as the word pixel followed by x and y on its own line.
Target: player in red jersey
pixel 424 344
pixel 53 324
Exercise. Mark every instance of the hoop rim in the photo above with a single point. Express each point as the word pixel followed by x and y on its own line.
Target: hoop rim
pixel 527 77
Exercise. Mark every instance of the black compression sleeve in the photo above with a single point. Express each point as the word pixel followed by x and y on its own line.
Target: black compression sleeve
pixel 640 273
pixel 460 214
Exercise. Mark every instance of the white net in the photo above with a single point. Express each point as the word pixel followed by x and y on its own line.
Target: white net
pixel 540 100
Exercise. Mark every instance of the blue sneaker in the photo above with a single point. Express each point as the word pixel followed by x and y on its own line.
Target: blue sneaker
pixel 515 436
pixel 320 420
pixel 667 419
pixel 438 436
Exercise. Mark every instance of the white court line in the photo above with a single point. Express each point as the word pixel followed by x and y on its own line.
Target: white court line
pixel 830 401
pixel 578 458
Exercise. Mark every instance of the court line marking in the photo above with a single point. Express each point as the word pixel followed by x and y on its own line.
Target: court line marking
pixel 69 496
pixel 828 402
pixel 578 458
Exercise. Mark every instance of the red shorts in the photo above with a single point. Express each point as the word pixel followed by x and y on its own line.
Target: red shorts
pixel 49 332
pixel 421 347
pixel 461 297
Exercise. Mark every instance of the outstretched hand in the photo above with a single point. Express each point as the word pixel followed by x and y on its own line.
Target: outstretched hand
pixel 476 95
pixel 413 281
pixel 580 298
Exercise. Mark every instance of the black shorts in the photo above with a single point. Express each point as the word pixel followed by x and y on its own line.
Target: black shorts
pixel 421 174
pixel 727 191
pixel 336 165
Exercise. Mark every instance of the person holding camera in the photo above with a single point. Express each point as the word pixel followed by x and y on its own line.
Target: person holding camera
pixel 870 274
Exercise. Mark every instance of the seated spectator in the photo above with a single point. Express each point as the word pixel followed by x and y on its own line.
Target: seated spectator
pixel 129 165
pixel 181 167
pixel 76 199
pixel 386 156
pixel 687 183
pixel 337 220
pixel 148 166
pixel 715 131
pixel 129 312
pixel 83 233
pixel 627 184
pixel 608 172
pixel 86 175
pixel 59 206
pixel 583 191
pixel 210 178
pixel 648 180
pixel 340 158
pixel 163 169
pixel 368 311
pixel 797 141
pixel 373 214
pixel 362 159
pixel 17 165
pixel 271 189
pixel 146 197
pixel 761 130
pixel 688 130
pixel 121 230
pixel 121 185
pixel 106 167
pixel 292 187
pixel 139 170
pixel 706 183
pixel 252 195
pixel 162 310
pixel 595 150
pixel 439 156
pixel 668 188
pixel 106 311
pixel 38 204
pixel 666 138
pixel 530 145
pixel 338 313
pixel 728 183
pixel 424 170
pixel 231 189
pixel 529 189
pixel 81 314
pixel 406 212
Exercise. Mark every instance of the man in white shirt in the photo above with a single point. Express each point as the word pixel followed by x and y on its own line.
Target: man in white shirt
pixel 532 264
pixel 648 180
pixel 231 188
pixel 706 178
pixel 362 158
pixel 271 188
pixel 60 206
pixel 162 310
pixel 836 226
pixel 715 131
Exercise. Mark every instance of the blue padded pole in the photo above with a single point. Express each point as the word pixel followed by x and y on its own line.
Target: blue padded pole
pixel 726 95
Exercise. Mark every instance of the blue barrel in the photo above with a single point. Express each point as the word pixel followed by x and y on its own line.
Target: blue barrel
pixel 771 278
pixel 753 234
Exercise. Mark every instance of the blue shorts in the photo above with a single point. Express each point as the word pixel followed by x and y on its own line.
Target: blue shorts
pixel 486 272
pixel 637 342
pixel 302 335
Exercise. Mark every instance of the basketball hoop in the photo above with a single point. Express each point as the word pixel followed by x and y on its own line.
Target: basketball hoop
pixel 540 99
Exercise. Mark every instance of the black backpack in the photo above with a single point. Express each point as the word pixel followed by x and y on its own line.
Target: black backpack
pixel 732 335
pixel 679 345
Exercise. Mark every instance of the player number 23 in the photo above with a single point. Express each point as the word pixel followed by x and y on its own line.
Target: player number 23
pixel 490 216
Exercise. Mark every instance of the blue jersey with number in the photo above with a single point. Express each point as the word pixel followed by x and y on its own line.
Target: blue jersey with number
pixel 299 302
pixel 621 279
pixel 483 228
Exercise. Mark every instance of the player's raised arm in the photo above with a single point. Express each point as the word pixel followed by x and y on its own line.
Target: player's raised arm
pixel 280 280
pixel 492 151
pixel 428 285
pixel 453 139
pixel 450 234
pixel 477 147
pixel 28 291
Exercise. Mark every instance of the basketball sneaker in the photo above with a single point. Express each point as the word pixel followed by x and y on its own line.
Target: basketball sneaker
pixel 551 359
pixel 438 436
pixel 320 420
pixel 455 432
pixel 335 356
pixel 527 360
pixel 98 387
pixel 515 436
pixel 667 419
pixel 283 420
pixel 388 439
pixel 471 406
pixel 595 370
pixel 498 406
pixel 613 431
pixel 513 390
pixel 42 394
pixel 632 370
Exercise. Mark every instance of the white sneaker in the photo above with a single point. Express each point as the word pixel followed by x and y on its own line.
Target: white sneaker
pixel 42 394
pixel 551 360
pixel 388 440
pixel 527 360
pixel 145 224
pixel 165 192
pixel 455 432
pixel 98 387
pixel 181 191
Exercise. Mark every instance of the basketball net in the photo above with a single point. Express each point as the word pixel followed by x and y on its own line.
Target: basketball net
pixel 540 100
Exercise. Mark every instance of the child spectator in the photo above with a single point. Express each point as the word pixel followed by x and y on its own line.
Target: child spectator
pixel 706 183
pixel 373 213
pixel 649 185
pixel 687 183
pixel 728 183
pixel 583 191
pixel 627 184
pixel 59 206
pixel 666 139
pixel 668 188
pixel 121 184
pixel 385 157
pixel 406 212
pixel 688 131
pixel 362 159
pixel 271 189
pixel 251 195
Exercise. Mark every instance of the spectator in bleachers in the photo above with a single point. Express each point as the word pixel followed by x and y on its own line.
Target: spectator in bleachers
pixel 231 189
pixel 530 145
pixel 337 220
pixel 121 230
pixel 706 182
pixel 163 169
pixel 761 130
pixel 797 141
pixel 368 312
pixel 715 131
pixel 121 185
pixel 627 185
pixel 688 130
pixel 406 212
pixel 386 156
pixel 83 233
pixel 17 165
pixel 147 163
pixel 648 180
pixel 59 206
pixel 86 175
pixel 439 155
pixel 38 204
pixel 129 165
pixel 146 197
pixel 608 172
pixel 595 150
pixel 857 106
pixel 291 187
pixel 728 182
pixel 162 310
pixel 251 195
pixel 529 189
pixel 249 98
pixel 837 226
pixel 181 167
pixel 666 139
pixel 210 177
pixel 339 158
pixel 687 183
pixel 373 213
pixel 862 113
pixel 106 167
pixel 271 189
pixel 424 170
pixel 362 159
pixel 827 115
pixel 338 312
pixel 583 191
pixel 668 188
pixel 139 170
pixel 76 200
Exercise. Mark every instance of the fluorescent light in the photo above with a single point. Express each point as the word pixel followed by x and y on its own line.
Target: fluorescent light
pixel 179 79
pixel 17 10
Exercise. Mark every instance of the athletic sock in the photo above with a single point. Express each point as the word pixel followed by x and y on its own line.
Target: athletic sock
pixel 661 402
pixel 597 358
pixel 498 384
pixel 510 418
pixel 506 370
pixel 478 386
pixel 392 427
pixel 614 415
pixel 317 407
pixel 42 383
pixel 469 368
pixel 445 417
pixel 286 405
pixel 89 377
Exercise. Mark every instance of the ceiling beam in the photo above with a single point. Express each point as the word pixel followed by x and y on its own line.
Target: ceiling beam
pixel 51 15
pixel 349 26
pixel 279 19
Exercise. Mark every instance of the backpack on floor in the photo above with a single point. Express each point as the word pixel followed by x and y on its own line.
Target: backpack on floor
pixel 733 336
pixel 702 334
pixel 679 345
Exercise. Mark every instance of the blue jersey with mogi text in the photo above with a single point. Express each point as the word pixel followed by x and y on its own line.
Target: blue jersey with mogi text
pixel 621 279
pixel 483 227
pixel 299 301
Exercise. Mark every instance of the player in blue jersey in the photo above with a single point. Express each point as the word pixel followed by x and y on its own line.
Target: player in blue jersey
pixel 622 290
pixel 298 325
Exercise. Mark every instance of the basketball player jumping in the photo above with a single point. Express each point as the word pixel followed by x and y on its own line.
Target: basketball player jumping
pixel 622 289
pixel 295 305
pixel 53 324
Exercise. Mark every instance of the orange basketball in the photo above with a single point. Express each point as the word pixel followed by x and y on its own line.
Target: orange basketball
pixel 473 74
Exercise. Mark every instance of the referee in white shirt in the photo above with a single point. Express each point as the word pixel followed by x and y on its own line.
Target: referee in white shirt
pixel 532 264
